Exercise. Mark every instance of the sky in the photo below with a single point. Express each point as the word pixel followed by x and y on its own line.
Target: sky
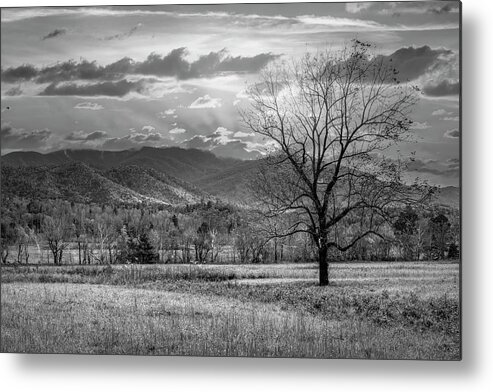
pixel 114 78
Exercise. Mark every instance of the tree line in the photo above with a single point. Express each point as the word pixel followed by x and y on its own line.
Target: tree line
pixel 200 233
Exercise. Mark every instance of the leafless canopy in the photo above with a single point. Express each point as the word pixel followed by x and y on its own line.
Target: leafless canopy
pixel 328 117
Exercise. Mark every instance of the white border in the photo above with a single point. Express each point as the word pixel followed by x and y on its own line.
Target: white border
pixel 91 373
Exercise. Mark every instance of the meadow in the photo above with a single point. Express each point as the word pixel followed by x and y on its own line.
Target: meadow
pixel 398 310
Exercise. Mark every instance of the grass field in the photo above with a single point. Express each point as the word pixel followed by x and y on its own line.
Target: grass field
pixel 374 310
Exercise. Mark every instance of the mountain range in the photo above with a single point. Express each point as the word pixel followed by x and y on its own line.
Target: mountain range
pixel 171 176
pixel 187 164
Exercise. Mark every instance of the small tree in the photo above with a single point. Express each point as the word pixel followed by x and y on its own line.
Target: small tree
pixel 242 244
pixel 439 228
pixel 57 233
pixel 79 232
pixel 405 229
pixel 328 117
pixel 8 237
pixel 23 239
pixel 453 251
pixel 140 249
pixel 203 243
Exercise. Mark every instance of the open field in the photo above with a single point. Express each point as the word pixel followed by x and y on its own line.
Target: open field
pixel 374 310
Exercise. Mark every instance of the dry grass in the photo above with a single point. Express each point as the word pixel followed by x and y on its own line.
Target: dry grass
pixel 384 310
pixel 133 274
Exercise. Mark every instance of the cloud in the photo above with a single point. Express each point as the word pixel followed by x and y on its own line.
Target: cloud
pixel 420 125
pixel 55 33
pixel 89 106
pixel 173 64
pixel 264 148
pixel 14 91
pixel 238 20
pixel 67 71
pixel 167 113
pixel 224 143
pixel 205 102
pixel 22 139
pixel 447 8
pixel 354 8
pixel 441 112
pixel 236 149
pixel 450 168
pixel 22 73
pixel 453 162
pixel 101 140
pixel 135 140
pixel 341 24
pixel 444 88
pixel 200 142
pixel 221 136
pixel 455 118
pixel 419 8
pixel 112 89
pixel 245 64
pixel 148 128
pixel 83 136
pixel 243 134
pixel 96 135
pixel 17 14
pixel 222 146
pixel 175 131
pixel 452 134
pixel 71 70
pixel 412 63
pixel 121 36
pixel 123 66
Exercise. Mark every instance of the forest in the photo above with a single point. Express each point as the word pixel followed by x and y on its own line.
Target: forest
pixel 62 232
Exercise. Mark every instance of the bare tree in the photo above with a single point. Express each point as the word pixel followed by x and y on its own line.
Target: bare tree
pixel 23 240
pixel 202 242
pixel 328 117
pixel 56 231
pixel 79 231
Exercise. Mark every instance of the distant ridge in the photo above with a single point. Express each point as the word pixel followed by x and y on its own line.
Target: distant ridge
pixel 75 182
pixel 80 183
pixel 157 186
pixel 173 176
pixel 186 164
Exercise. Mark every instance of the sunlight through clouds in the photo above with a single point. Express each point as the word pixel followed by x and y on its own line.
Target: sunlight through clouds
pixel 187 69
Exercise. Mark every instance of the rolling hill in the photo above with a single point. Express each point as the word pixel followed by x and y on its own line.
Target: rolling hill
pixel 232 183
pixel 156 186
pixel 172 176
pixel 75 182
pixel 185 164
pixel 81 183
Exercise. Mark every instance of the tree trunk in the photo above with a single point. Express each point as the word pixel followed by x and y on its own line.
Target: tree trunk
pixel 5 254
pixel 323 266
pixel 275 250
